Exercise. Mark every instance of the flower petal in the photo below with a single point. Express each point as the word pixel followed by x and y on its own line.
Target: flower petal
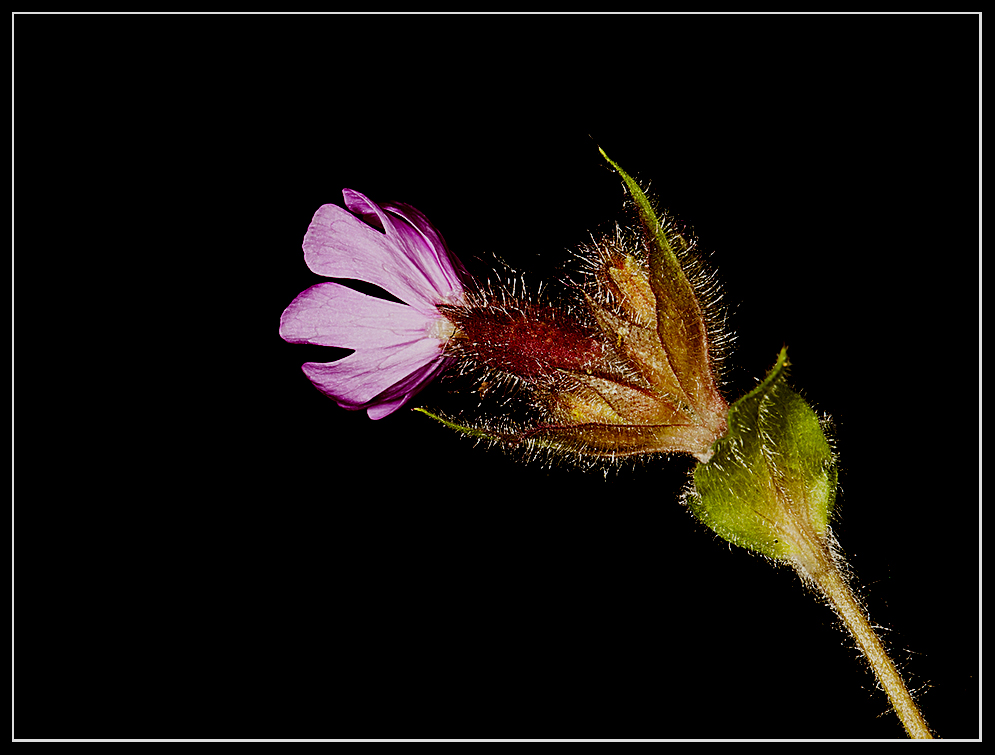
pixel 340 245
pixel 442 266
pixel 329 314
pixel 395 371
pixel 427 252
pixel 399 394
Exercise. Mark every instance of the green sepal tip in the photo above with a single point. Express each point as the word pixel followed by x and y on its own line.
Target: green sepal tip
pixel 473 432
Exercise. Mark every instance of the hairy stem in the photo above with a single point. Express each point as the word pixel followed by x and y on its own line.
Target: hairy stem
pixel 817 563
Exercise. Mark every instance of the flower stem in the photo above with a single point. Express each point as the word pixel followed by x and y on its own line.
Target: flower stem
pixel 819 565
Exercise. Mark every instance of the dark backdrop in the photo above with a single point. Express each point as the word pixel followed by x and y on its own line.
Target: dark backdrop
pixel 207 547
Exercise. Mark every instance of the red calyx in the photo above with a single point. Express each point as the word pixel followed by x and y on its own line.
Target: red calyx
pixel 533 342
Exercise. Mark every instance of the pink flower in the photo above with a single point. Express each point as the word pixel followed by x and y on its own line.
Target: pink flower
pixel 398 347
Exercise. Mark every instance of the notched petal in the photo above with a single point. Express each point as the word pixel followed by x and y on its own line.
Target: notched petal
pixel 339 245
pixel 330 314
pixel 361 377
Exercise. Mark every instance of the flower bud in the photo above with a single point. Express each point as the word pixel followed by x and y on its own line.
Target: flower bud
pixel 771 484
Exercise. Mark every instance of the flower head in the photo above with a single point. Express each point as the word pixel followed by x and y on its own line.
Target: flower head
pixel 398 347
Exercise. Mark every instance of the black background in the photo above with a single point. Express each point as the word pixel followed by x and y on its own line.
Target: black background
pixel 207 547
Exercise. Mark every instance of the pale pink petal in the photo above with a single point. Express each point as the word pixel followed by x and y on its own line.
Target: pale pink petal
pixel 340 245
pixel 442 266
pixel 426 252
pixel 364 375
pixel 399 394
pixel 329 314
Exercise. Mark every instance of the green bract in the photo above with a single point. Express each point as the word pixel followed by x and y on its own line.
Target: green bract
pixel 771 483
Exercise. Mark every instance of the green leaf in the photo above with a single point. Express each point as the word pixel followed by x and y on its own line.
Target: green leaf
pixel 680 323
pixel 770 485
